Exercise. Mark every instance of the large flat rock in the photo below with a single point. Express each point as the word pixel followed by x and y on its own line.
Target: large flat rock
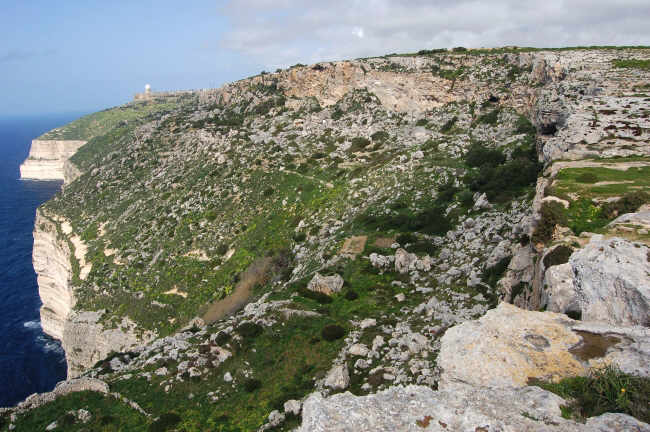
pixel 508 347
pixel 466 408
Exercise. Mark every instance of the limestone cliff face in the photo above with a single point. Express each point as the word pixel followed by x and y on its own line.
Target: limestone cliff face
pixel 51 258
pixel 47 158
pixel 84 338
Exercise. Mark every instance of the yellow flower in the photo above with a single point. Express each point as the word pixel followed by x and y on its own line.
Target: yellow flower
pixel 622 390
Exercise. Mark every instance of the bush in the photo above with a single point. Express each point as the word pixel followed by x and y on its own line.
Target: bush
pixel 251 384
pixel 449 124
pixel 166 422
pixel 478 156
pixel 250 330
pixel 587 178
pixel 628 204
pixel 332 332
pixel 490 118
pixel 268 191
pixel 351 295
pixel 67 420
pixel 552 214
pixel 314 295
pixel 222 338
pixel 299 237
pixel 405 238
pixel 421 122
pixel 359 143
pixel 525 126
pixel 466 198
pixel 604 390
pixel 380 136
pixel 559 255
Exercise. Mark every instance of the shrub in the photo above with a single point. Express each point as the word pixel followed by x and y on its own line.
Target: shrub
pixel 268 191
pixel 251 384
pixel 358 144
pixel 351 295
pixel 67 419
pixel 166 422
pixel 449 124
pixel 552 214
pixel 380 136
pixel 490 118
pixel 559 255
pixel 587 178
pixel 332 332
pixel 299 237
pixel 314 295
pixel 628 204
pixel 466 198
pixel 478 156
pixel 525 126
pixel 250 330
pixel 604 390
pixel 405 238
pixel 422 122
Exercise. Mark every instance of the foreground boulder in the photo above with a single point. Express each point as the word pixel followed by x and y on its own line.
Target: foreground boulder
pixel 466 408
pixel 508 347
pixel 607 280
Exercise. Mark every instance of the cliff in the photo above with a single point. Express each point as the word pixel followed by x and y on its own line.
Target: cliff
pixel 392 228
pixel 47 158
pixel 59 255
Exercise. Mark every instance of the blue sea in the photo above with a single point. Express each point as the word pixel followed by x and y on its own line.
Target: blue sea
pixel 30 361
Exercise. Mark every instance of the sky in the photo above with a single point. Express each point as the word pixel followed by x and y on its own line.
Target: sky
pixel 87 55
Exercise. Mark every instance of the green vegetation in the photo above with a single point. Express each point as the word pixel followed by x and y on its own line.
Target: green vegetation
pixel 99 123
pixel 559 255
pixel 632 64
pixel 108 414
pixel 552 214
pixel 603 390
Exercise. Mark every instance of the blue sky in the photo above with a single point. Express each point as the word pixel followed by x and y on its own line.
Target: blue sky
pixel 81 56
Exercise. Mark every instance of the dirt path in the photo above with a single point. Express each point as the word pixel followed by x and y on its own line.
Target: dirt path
pixel 254 274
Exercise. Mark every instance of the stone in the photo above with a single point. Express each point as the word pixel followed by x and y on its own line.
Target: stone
pixel 400 297
pixel 52 426
pixel 465 408
pixel 83 415
pixel 481 202
pixel 292 406
pixel 616 422
pixel 227 377
pixel 326 284
pixel 509 346
pixel 367 323
pixel 161 371
pixel 403 260
pixel 379 261
pixel 607 280
pixel 501 251
pixel 358 350
pixel 338 377
pixel 275 418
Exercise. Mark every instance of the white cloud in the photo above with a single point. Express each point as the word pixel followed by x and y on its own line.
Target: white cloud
pixel 283 32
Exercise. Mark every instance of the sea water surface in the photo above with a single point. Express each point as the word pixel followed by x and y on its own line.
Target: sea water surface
pixel 30 361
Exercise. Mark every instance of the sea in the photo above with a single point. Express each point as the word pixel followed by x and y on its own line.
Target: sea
pixel 30 361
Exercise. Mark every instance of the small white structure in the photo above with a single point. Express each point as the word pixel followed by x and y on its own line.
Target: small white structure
pixel 147 89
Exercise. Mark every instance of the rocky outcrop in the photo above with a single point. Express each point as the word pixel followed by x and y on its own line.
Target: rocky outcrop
pixel 51 259
pixel 326 284
pixel 465 408
pixel 63 388
pixel 87 340
pixel 607 280
pixel 508 347
pixel 47 158
pixel 84 338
